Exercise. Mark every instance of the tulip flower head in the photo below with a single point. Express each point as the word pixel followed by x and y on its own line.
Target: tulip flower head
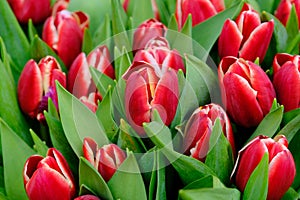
pixel 199 127
pixel 282 169
pixel 148 30
pixel 148 88
pixel 48 178
pixel 284 8
pixel 106 159
pixel 247 91
pixel 37 84
pixel 246 37
pixel 286 80
pixel 199 9
pixel 63 32
pixel 87 197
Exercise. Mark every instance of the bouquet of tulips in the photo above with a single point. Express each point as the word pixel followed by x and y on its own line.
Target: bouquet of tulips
pixel 149 99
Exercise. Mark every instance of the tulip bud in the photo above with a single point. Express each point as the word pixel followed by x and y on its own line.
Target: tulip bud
pixel 158 52
pixel 63 32
pixel 91 101
pixel 284 8
pixel 199 9
pixel 80 82
pixel 282 169
pixel 37 84
pixel 239 38
pixel 148 88
pixel 246 90
pixel 146 31
pixel 286 80
pixel 106 159
pixel 199 127
pixel 87 197
pixel 49 177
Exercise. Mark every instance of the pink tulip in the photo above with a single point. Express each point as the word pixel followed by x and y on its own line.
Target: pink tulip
pixel 246 90
pixel 158 52
pixel 63 32
pixel 106 159
pixel 284 10
pixel 246 37
pixel 148 30
pixel 199 9
pixel 37 84
pixel 80 81
pixel 286 80
pixel 148 88
pixel 282 169
pixel 199 127
pixel 48 178
pixel 87 197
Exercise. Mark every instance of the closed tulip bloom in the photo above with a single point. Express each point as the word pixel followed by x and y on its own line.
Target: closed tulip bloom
pixel 286 80
pixel 106 159
pixel 63 32
pixel 148 88
pixel 91 101
pixel 284 8
pixel 199 127
pixel 87 197
pixel 37 84
pixel 199 9
pixel 158 52
pixel 246 37
pixel 282 169
pixel 48 178
pixel 148 30
pixel 247 91
pixel 80 81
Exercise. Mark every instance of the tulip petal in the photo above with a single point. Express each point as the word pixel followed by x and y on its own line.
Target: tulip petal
pixel 200 150
pixel 283 11
pixel 241 101
pixel 30 89
pixel 259 40
pixel 166 96
pixel 230 39
pixel 280 59
pixel 89 149
pixel 30 167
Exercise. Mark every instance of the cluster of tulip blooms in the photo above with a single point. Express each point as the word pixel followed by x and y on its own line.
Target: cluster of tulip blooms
pixel 133 109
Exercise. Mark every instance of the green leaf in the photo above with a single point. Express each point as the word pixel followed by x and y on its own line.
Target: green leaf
pixel 164 12
pixel 104 115
pixel 90 177
pixel 293 45
pixel 31 30
pixel 203 80
pixel 13 36
pixel 257 185
pixel 118 100
pixel 266 5
pixel 269 125
pixel 6 59
pixel 39 146
pixel 161 177
pixel 210 193
pixel 291 194
pixel 13 165
pixel 102 81
pixel 153 179
pixel 122 62
pixel 9 107
pixel 127 182
pixel 207 32
pixel 75 118
pixel 142 11
pixel 103 33
pixel 288 116
pixel 292 27
pixel 205 182
pixel 40 49
pixel 87 44
pixel 290 129
pixel 220 158
pixel 294 149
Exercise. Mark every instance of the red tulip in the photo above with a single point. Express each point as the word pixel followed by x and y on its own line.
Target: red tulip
pixel 148 88
pixel 247 92
pixel 37 84
pixel 80 81
pixel 199 9
pixel 286 80
pixel 48 178
pixel 106 159
pixel 154 8
pixel 158 52
pixel 199 127
pixel 87 197
pixel 63 32
pixel 284 10
pixel 146 31
pixel 239 38
pixel 91 101
pixel 282 169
